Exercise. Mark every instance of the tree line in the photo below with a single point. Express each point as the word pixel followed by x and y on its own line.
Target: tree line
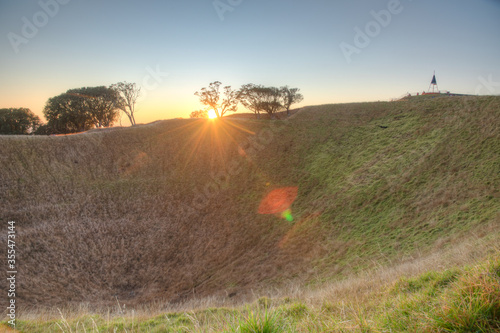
pixel 82 109
pixel 76 110
pixel 256 98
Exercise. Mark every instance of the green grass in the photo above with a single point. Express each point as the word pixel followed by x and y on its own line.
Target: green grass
pixel 263 321
pixel 465 300
pixel 421 178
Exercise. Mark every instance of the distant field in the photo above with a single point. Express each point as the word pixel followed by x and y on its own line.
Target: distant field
pixel 163 217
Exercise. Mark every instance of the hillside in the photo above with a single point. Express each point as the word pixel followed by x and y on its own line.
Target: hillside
pixel 169 211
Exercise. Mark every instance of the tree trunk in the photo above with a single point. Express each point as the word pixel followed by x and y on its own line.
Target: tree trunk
pixel 130 118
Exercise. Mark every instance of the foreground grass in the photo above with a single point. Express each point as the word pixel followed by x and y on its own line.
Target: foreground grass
pixel 460 299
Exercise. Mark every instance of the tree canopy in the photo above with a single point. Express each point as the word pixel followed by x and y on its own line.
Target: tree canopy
pixel 250 96
pixel 18 121
pixel 211 96
pixel 290 96
pixel 258 98
pixel 82 109
pixel 271 101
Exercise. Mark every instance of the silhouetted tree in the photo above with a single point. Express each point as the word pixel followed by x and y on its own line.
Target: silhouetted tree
pixel 290 96
pixel 250 96
pixel 211 96
pixel 43 130
pixel 272 101
pixel 82 109
pixel 199 114
pixel 258 98
pixel 129 93
pixel 18 121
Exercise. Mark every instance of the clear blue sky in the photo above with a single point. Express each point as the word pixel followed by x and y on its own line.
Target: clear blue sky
pixel 271 42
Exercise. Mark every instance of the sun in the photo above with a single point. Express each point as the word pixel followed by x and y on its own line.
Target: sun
pixel 212 114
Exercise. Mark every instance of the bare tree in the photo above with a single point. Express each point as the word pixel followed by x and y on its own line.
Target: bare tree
pixel 211 96
pixel 129 93
pixel 290 96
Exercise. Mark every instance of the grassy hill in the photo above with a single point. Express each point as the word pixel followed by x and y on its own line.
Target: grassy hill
pixel 168 212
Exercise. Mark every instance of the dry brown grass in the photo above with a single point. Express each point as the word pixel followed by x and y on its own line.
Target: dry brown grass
pixel 114 215
pixel 340 300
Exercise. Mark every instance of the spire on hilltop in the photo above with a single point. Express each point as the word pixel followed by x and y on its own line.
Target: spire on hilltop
pixel 433 84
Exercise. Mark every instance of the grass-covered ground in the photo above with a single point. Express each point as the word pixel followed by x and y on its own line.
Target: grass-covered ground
pixel 460 299
pixel 149 223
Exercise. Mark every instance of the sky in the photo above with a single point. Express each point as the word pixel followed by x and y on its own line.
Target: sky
pixel 334 51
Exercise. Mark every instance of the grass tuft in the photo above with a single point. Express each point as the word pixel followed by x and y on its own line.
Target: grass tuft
pixel 472 304
pixel 263 321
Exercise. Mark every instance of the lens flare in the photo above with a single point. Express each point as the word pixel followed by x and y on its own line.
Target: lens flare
pixel 279 201
pixel 287 215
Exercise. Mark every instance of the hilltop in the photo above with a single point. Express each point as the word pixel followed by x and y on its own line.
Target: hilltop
pixel 169 211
